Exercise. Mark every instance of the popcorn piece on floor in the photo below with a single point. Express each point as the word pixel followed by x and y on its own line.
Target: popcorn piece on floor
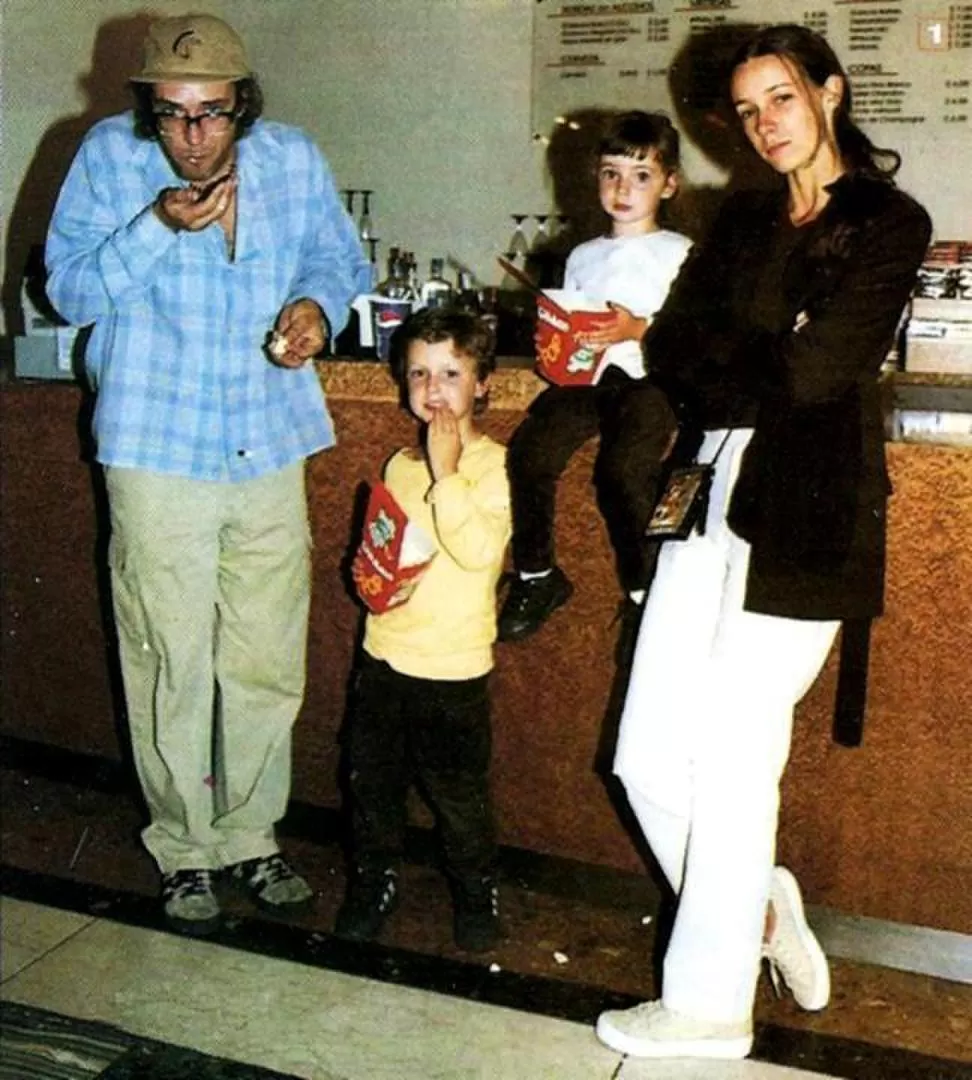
pixel 560 957
pixel 646 920
pixel 495 969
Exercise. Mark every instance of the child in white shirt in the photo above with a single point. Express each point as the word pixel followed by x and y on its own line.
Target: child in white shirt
pixel 631 270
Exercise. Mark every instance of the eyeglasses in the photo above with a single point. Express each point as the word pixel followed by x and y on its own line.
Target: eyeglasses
pixel 212 120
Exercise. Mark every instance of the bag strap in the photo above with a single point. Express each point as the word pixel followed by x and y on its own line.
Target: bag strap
pixel 722 445
pixel 855 647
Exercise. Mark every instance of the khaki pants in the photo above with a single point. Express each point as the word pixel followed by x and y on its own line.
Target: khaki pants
pixel 211 592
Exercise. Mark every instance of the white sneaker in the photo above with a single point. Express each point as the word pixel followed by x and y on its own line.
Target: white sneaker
pixel 652 1031
pixel 793 952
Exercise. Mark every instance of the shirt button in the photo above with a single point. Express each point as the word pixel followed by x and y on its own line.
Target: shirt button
pixel 243 453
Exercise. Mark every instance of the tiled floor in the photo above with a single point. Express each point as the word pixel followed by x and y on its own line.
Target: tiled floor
pixel 299 1020
pixel 82 939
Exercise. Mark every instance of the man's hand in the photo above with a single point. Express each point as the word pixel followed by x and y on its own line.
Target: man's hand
pixel 620 325
pixel 193 208
pixel 443 446
pixel 300 333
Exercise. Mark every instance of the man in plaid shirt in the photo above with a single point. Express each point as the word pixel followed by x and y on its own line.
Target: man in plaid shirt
pixel 211 255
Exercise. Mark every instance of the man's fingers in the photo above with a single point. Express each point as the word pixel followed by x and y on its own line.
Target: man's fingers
pixel 194 208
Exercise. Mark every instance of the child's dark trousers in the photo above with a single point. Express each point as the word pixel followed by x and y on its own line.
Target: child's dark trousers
pixel 635 424
pixel 436 732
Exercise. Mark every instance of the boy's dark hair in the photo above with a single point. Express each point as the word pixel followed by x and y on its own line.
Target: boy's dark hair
pixel 633 134
pixel 249 107
pixel 469 333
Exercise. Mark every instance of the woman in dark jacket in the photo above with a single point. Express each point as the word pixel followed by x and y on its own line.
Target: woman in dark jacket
pixel 771 341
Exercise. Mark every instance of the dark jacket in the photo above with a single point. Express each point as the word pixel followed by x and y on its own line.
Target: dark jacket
pixel 812 491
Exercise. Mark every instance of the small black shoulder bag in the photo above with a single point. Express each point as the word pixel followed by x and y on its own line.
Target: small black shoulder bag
pixel 684 501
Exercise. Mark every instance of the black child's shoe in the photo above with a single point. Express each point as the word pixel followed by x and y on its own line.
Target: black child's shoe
pixel 477 919
pixel 370 899
pixel 530 603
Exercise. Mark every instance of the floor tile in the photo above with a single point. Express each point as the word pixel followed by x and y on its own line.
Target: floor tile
pixel 580 938
pixel 28 931
pixel 298 1020
pixel 633 1069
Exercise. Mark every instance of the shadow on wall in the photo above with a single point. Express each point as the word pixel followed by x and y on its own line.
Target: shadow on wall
pixel 571 163
pixel 699 87
pixel 698 82
pixel 115 56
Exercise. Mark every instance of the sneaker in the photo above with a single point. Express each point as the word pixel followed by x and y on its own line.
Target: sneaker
pixel 793 952
pixel 653 1031
pixel 477 922
pixel 370 900
pixel 189 903
pixel 272 884
pixel 530 603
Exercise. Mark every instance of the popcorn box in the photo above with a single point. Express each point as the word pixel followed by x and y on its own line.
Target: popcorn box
pixel 392 556
pixel 561 358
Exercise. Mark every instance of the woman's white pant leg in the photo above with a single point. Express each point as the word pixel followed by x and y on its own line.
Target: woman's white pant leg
pixel 666 833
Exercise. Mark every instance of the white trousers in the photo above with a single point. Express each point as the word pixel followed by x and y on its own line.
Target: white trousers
pixel 211 592
pixel 703 740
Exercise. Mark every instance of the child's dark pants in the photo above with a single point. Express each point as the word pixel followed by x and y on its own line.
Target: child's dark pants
pixel 635 424
pixel 437 732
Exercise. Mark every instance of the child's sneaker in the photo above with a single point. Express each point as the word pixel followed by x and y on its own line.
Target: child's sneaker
pixel 371 898
pixel 652 1031
pixel 793 952
pixel 477 919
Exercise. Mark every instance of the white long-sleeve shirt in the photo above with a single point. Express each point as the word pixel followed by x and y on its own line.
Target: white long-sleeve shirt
pixel 634 271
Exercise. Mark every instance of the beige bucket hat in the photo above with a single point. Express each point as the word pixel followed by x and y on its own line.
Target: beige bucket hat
pixel 192 48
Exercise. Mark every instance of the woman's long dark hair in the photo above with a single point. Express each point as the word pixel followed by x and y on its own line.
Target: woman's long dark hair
pixel 249 107
pixel 812 56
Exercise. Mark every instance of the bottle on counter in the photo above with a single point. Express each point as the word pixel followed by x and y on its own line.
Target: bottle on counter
pixel 489 307
pixel 394 301
pixel 410 270
pixel 396 284
pixel 387 282
pixel 436 292
pixel 467 296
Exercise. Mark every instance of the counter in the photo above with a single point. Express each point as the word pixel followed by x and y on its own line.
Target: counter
pixel 879 831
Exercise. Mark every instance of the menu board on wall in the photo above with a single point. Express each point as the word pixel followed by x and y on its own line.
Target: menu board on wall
pixel 909 62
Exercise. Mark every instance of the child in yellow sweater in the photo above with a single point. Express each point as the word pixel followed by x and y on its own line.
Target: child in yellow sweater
pixel 421 702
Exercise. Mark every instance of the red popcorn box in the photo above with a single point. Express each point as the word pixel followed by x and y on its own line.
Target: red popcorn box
pixel 393 554
pixel 561 358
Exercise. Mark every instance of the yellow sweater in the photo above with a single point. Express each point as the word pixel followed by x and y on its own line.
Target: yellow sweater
pixel 447 627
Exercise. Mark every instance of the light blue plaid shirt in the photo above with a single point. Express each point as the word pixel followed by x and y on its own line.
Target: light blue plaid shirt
pixel 176 349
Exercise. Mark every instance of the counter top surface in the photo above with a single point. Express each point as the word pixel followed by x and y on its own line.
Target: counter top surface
pixel 513 386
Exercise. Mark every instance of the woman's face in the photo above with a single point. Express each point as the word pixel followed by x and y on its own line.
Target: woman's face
pixel 787 118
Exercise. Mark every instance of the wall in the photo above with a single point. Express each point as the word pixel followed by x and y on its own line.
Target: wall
pixel 425 101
